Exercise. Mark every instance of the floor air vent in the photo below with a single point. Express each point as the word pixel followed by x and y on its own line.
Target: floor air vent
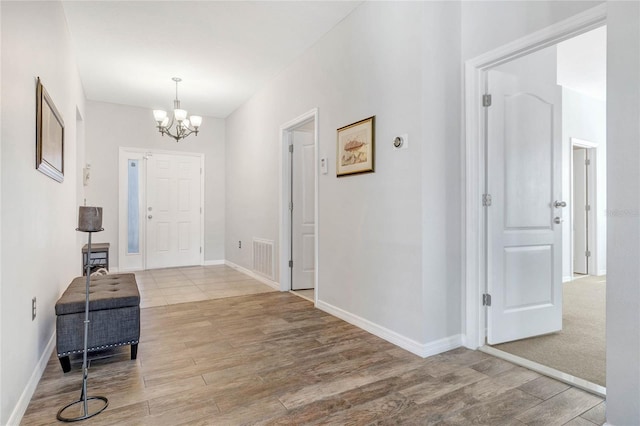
pixel 263 260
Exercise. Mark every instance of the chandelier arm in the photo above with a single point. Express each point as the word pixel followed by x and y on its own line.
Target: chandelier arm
pixel 189 131
pixel 170 124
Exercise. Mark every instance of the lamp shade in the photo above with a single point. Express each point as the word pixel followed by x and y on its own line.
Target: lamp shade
pixel 180 114
pixel 196 121
pixel 90 219
pixel 159 115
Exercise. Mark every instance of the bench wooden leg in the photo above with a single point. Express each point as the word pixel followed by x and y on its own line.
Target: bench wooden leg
pixel 65 363
pixel 134 351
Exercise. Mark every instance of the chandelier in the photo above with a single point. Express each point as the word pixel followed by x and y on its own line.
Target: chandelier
pixel 183 126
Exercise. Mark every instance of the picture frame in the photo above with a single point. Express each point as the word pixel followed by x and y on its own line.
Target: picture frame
pixel 49 136
pixel 356 148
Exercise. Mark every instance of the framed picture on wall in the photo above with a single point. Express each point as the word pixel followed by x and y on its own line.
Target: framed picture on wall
pixel 49 136
pixel 356 148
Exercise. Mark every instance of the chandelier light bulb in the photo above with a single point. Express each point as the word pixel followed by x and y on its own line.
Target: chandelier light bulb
pixel 165 122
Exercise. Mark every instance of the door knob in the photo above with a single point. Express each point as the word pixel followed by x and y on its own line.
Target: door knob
pixel 557 220
pixel 558 204
pixel 150 217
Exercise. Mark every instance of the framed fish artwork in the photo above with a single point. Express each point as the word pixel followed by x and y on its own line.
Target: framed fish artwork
pixel 356 148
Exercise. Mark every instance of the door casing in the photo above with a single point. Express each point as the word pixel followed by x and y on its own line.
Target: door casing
pixel 592 195
pixel 285 195
pixel 124 154
pixel 474 232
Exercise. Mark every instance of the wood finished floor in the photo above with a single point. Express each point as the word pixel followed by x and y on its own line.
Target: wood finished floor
pixel 272 358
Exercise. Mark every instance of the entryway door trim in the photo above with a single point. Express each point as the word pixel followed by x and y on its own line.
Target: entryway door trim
pixel 474 229
pixel 285 196
pixel 124 152
pixel 592 196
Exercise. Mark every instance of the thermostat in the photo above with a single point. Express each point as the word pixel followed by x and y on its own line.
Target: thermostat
pixel 401 141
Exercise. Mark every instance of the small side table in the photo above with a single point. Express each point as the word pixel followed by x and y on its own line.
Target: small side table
pixel 99 257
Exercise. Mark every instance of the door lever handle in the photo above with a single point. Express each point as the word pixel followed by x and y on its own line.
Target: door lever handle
pixel 557 220
pixel 150 217
pixel 558 204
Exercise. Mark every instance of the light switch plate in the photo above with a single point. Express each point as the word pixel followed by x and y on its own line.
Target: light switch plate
pixel 324 165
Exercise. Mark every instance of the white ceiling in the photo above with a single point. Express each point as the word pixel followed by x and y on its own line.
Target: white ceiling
pixel 225 51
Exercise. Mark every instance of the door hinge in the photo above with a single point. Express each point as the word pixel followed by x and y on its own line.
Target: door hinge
pixel 200 170
pixel 486 100
pixel 291 148
pixel 200 249
pixel 587 253
pixel 587 162
pixel 291 206
pixel 291 264
pixel 486 200
pixel 200 210
pixel 587 208
pixel 486 299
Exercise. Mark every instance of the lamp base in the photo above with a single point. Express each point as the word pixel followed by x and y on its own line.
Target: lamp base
pixel 88 414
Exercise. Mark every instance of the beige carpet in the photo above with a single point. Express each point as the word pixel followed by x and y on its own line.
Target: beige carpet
pixel 579 349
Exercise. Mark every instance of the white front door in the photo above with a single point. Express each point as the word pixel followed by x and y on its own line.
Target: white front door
pixel 580 202
pixel 173 210
pixel 524 233
pixel 303 213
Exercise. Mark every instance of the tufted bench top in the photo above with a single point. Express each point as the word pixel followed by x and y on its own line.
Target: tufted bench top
pixel 105 292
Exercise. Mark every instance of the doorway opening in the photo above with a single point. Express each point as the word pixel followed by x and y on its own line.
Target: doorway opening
pixel 299 242
pixel 533 104
pixel 161 209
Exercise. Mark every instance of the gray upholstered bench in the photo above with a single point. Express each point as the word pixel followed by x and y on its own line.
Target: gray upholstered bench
pixel 114 315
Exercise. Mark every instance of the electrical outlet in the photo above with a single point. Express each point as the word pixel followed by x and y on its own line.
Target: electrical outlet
pixel 239 244
pixel 33 309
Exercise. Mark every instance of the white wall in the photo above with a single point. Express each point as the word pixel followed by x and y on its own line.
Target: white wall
pixel 111 126
pixel 487 25
pixel 623 213
pixel 40 254
pixel 441 175
pixel 1 390
pixel 390 60
pixel 584 117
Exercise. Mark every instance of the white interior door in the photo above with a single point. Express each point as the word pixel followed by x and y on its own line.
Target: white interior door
pixel 580 203
pixel 173 210
pixel 524 238
pixel 303 213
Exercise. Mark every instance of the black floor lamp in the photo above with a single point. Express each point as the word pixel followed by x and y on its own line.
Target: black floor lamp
pixel 89 221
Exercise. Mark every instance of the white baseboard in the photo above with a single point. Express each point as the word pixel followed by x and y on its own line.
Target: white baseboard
pixel 27 393
pixel 602 272
pixel 421 349
pixel 567 279
pixel 253 275
pixel 213 262
pixel 114 270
